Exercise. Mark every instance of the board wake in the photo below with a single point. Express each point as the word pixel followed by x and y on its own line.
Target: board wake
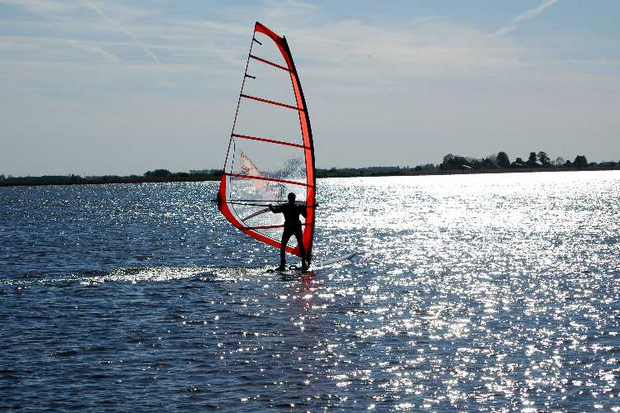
pixel 333 261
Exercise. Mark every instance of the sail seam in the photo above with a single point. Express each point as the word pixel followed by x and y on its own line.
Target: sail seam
pixel 270 226
pixel 276 141
pixel 260 59
pixel 263 178
pixel 261 202
pixel 272 102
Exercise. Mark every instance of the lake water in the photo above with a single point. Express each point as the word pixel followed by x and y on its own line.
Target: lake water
pixel 477 292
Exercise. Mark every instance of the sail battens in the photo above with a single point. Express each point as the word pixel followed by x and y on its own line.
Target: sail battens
pixel 276 141
pixel 260 59
pixel 272 102
pixel 260 203
pixel 264 178
pixel 265 201
pixel 267 227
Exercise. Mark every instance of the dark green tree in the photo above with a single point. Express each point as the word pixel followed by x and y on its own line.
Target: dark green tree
pixel 453 163
pixel 543 158
pixel 580 161
pixel 503 161
pixel 531 161
pixel 447 159
pixel 158 173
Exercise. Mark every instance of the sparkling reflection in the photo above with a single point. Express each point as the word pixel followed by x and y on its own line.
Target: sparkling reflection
pixel 479 292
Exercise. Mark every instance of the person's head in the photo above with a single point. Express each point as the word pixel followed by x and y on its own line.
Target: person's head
pixel 291 198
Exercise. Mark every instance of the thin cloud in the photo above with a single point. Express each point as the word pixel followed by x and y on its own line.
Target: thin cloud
pixel 529 14
pixel 125 30
pixel 38 6
pixel 111 57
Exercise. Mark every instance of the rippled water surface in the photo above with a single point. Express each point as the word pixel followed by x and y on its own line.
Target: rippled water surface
pixel 478 292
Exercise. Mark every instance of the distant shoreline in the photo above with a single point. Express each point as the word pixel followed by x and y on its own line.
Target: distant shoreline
pixel 321 173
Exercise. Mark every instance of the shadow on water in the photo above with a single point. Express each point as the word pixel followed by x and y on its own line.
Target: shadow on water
pixel 305 277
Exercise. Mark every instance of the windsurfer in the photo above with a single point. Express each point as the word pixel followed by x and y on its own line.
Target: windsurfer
pixel 292 226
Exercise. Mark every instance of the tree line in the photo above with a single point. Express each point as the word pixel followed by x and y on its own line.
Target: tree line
pixel 499 162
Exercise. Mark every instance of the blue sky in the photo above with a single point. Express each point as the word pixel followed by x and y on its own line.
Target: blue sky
pixel 120 87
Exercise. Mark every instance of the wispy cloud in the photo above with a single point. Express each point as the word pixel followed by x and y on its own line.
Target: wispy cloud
pixel 529 14
pixel 124 29
pixel 38 6
pixel 430 81
pixel 98 50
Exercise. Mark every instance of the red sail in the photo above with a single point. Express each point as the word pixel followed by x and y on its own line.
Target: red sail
pixel 270 152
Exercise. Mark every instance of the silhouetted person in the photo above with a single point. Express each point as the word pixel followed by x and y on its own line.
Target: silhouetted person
pixel 292 226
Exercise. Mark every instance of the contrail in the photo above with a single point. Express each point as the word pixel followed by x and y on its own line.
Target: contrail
pixel 531 13
pixel 124 29
pixel 95 49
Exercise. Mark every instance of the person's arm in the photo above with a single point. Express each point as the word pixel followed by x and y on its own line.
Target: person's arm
pixel 303 211
pixel 275 209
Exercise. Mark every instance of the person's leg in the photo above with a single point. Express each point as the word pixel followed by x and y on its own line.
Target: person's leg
pixel 286 235
pixel 302 252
